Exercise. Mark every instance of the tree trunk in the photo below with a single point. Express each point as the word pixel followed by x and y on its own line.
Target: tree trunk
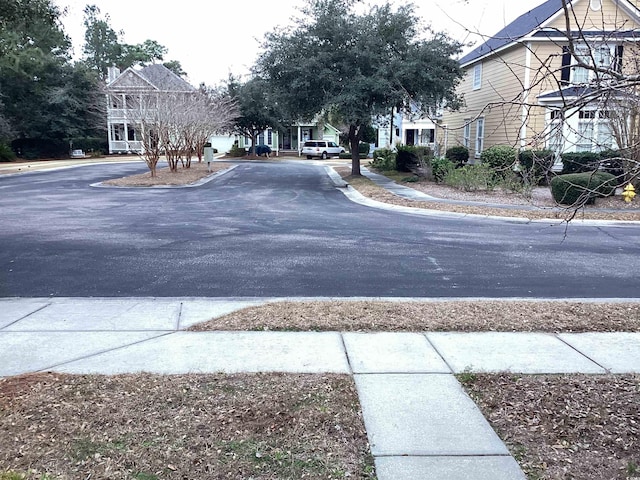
pixel 354 144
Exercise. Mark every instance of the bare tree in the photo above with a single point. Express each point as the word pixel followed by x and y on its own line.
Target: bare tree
pixel 177 125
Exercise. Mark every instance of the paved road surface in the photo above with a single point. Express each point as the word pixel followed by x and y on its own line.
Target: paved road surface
pixel 283 229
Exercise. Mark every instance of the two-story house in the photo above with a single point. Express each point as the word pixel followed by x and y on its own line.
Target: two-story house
pixel 124 91
pixel 531 85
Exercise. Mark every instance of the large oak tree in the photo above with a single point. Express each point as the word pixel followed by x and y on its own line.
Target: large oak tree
pixel 359 65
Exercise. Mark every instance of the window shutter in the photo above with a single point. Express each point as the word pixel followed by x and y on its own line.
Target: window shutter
pixel 565 71
pixel 618 61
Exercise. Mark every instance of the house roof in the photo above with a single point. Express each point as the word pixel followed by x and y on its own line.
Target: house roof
pixel 155 77
pixel 517 29
pixel 164 79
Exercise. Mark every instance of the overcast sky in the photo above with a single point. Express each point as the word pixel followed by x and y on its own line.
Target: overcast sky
pixel 216 38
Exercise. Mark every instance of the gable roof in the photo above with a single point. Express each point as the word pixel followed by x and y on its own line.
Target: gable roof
pixel 154 77
pixel 517 29
pixel 164 79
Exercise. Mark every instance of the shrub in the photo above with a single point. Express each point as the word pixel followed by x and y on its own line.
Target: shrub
pixel 500 158
pixel 6 154
pixel 471 178
pixel 384 159
pixel 582 188
pixel 363 148
pixel 459 155
pixel 580 162
pixel 91 145
pixel 611 161
pixel 34 148
pixel 347 156
pixel 440 167
pixel 537 165
pixel 411 158
pixel 237 151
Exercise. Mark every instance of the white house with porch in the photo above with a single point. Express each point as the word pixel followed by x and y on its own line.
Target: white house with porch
pixel 124 92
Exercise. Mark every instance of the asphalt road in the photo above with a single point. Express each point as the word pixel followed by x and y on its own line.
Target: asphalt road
pixel 283 229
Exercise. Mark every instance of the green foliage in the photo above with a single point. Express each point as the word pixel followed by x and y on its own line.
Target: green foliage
pixel 6 153
pixel 582 188
pixel 91 145
pixel 257 109
pixel 347 156
pixel 471 178
pixel 440 168
pixel 579 162
pixel 384 159
pixel 501 158
pixel 236 151
pixel 537 165
pixel 410 157
pixel 459 155
pixel 34 148
pixel 358 64
pixel 363 148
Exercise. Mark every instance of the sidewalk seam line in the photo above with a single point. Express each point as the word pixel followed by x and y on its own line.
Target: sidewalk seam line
pixel 84 357
pixel 426 336
pixel 27 315
pixel 346 354
pixel 607 370
pixel 179 317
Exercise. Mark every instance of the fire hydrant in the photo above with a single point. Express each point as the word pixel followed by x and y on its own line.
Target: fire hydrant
pixel 628 193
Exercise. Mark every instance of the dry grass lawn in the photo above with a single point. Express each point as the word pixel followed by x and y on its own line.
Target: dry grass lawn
pixel 462 315
pixel 564 427
pixel 148 427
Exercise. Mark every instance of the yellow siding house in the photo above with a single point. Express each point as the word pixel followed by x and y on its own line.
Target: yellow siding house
pixel 521 86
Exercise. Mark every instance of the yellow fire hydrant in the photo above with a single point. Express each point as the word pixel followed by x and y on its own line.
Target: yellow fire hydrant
pixel 628 193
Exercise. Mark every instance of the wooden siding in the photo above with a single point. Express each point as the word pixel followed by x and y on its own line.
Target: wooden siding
pixel 497 100
pixel 610 17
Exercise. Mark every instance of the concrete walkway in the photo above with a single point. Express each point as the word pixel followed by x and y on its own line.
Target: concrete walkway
pixel 420 422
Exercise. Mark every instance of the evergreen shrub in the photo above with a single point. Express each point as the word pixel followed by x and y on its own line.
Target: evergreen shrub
pixel 459 155
pixel 582 188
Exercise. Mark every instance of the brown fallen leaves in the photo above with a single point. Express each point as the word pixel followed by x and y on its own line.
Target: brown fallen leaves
pixel 459 315
pixel 568 426
pixel 262 426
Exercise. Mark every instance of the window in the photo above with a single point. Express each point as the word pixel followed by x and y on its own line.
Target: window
pixel 477 76
pixel 594 132
pixel 117 132
pixel 556 136
pixel 269 137
pixel 479 136
pixel 599 56
pixel 466 133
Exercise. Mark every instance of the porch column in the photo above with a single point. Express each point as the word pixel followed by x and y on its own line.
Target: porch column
pixel 299 137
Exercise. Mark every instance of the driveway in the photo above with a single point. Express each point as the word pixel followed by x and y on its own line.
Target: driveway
pixel 283 229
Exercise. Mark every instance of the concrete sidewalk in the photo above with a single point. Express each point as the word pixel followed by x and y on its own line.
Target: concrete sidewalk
pixel 420 422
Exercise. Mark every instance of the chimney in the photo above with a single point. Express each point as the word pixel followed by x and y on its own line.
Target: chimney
pixel 112 73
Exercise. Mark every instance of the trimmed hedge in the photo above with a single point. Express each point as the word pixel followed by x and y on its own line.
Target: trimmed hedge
pixel 458 155
pixel 384 159
pixel 580 162
pixel 582 188
pixel 347 156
